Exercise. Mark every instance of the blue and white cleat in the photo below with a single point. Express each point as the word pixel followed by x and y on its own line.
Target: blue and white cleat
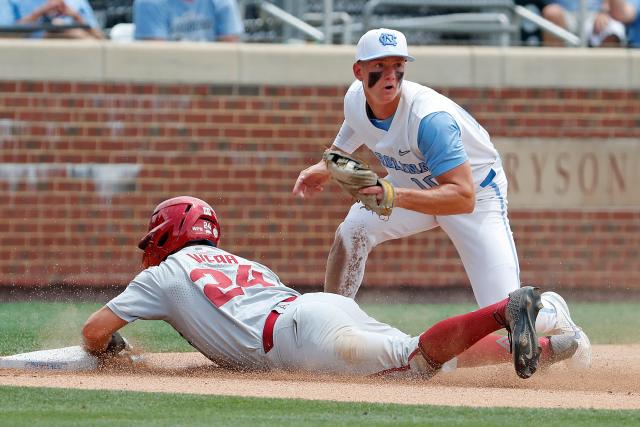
pixel 581 359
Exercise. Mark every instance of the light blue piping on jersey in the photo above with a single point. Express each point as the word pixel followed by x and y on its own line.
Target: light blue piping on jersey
pixel 503 211
pixel 488 178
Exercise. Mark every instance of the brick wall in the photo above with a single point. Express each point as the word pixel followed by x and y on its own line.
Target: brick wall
pixel 83 165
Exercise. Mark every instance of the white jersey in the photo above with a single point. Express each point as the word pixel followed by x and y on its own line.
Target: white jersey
pixel 483 238
pixel 216 300
pixel 397 149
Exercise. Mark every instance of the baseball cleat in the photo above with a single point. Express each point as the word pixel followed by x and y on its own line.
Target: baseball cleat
pixel 566 326
pixel 520 316
pixel 563 347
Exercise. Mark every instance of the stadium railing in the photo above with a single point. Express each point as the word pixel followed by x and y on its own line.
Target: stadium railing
pixel 493 22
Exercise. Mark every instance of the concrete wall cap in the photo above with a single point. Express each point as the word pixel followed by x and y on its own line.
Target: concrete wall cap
pixel 310 64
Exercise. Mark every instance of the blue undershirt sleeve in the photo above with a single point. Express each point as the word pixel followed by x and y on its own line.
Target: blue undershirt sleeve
pixel 440 142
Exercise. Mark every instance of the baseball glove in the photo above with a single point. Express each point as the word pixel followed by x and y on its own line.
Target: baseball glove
pixel 353 175
pixel 116 345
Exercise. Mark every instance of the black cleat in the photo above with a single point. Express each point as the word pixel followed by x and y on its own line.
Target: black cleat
pixel 520 318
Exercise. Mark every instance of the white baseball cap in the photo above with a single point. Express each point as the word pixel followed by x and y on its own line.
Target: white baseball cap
pixel 382 42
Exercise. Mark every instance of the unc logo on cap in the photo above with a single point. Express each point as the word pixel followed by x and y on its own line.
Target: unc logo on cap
pixel 388 39
pixel 380 43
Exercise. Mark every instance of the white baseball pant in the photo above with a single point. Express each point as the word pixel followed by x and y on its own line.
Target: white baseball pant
pixel 483 240
pixel 324 332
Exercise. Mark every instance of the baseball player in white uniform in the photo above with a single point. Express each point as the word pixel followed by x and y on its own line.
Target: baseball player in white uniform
pixel 238 313
pixel 446 173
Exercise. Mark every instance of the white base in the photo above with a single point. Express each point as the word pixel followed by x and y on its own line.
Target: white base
pixel 65 359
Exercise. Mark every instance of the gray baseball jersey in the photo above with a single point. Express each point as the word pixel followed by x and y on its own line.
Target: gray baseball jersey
pixel 219 302
pixel 216 300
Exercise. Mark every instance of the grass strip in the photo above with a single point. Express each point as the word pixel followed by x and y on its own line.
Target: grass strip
pixel 22 406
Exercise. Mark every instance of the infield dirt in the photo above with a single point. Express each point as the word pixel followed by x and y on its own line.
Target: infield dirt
pixel 611 383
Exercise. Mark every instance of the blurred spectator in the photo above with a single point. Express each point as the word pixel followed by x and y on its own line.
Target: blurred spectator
pixel 628 12
pixel 7 13
pixel 8 19
pixel 598 25
pixel 190 20
pixel 59 12
pixel 530 33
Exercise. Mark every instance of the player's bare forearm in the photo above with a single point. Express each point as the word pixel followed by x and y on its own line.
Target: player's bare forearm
pixel 447 199
pixel 312 179
pixel 98 329
pixel 454 195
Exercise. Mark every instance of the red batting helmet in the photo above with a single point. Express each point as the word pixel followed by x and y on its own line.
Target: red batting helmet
pixel 176 222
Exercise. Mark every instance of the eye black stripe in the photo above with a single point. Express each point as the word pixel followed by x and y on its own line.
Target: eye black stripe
pixel 374 76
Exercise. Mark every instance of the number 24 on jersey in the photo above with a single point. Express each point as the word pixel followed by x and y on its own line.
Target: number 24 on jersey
pixel 220 288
